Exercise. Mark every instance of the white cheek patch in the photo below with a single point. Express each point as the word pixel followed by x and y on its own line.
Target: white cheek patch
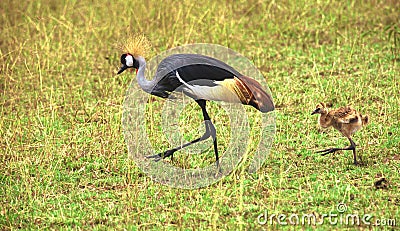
pixel 129 60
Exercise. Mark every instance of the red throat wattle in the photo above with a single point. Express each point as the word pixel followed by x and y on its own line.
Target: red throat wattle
pixel 131 70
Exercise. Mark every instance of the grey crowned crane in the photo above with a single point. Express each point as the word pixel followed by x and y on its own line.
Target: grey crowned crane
pixel 346 120
pixel 200 77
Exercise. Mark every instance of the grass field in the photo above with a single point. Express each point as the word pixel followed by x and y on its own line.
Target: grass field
pixel 63 158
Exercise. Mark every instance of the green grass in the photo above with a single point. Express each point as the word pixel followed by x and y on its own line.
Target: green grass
pixel 64 161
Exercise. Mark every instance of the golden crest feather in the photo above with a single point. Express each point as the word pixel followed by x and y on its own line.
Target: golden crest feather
pixel 136 44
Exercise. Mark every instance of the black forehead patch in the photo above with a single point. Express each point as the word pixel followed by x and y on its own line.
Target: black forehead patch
pixel 123 61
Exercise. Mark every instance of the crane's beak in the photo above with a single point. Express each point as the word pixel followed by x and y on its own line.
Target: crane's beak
pixel 314 112
pixel 122 69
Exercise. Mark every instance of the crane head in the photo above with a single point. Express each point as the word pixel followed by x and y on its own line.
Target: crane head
pixel 128 61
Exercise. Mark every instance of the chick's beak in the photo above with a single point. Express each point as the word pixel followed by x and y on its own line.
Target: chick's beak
pixel 314 112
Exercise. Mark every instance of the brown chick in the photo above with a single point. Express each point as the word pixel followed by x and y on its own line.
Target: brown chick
pixel 345 119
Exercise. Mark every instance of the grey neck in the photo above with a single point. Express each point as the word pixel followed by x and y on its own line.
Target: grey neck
pixel 146 85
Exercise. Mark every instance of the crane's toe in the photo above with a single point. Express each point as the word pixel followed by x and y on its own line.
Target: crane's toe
pixel 156 157
pixel 163 155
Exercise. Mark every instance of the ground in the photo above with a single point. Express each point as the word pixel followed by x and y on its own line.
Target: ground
pixel 63 157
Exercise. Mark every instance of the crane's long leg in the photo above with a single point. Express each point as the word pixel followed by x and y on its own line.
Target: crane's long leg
pixel 332 150
pixel 210 131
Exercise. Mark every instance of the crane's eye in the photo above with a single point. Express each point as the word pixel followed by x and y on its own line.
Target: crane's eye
pixel 129 60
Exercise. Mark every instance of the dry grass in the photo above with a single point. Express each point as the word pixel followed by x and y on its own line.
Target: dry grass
pixel 63 157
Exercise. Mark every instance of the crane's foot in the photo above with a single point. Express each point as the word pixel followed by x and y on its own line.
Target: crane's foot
pixel 163 155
